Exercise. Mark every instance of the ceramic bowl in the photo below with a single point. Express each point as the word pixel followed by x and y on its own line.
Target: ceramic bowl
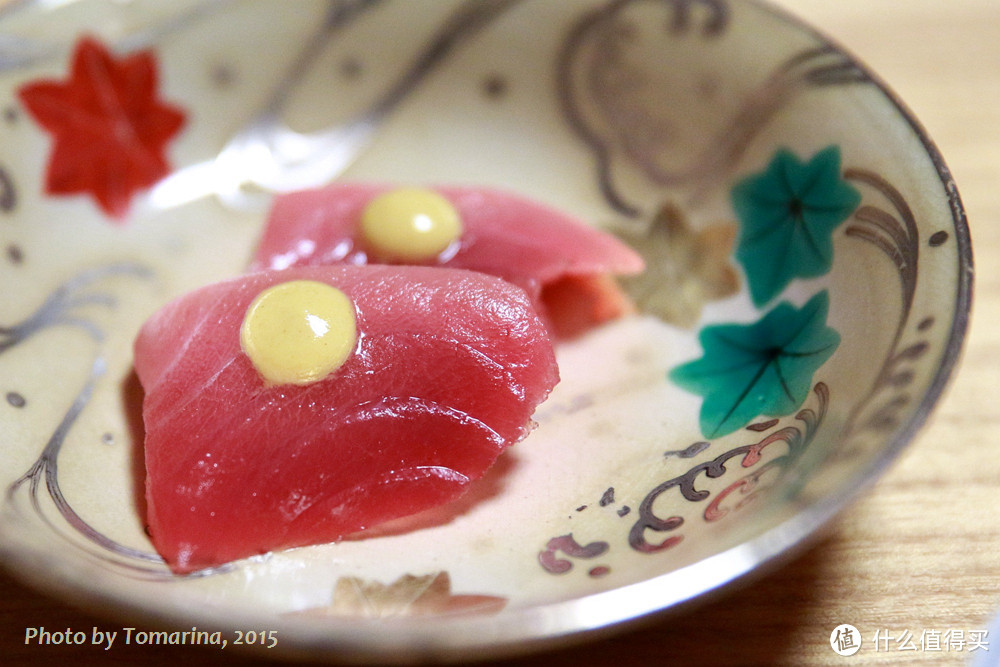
pixel 805 299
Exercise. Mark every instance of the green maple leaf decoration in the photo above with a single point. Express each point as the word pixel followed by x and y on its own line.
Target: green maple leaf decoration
pixel 764 368
pixel 787 216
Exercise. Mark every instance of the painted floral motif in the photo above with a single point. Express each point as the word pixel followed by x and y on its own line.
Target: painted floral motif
pixel 787 216
pixel 788 211
pixel 409 595
pixel 685 268
pixel 764 368
pixel 109 128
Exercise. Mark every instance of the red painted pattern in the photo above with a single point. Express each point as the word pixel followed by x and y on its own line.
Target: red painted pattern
pixel 109 128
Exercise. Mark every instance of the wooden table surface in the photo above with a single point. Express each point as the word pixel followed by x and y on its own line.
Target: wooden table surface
pixel 919 553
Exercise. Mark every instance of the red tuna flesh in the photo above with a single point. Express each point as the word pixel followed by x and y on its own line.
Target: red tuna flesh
pixel 562 263
pixel 448 370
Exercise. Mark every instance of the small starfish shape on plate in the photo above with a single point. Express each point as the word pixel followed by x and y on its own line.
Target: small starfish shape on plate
pixel 685 268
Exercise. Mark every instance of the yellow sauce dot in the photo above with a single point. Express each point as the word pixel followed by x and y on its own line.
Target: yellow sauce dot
pixel 410 225
pixel 298 332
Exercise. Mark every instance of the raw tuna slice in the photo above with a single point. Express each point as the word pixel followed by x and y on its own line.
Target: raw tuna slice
pixel 560 261
pixel 448 368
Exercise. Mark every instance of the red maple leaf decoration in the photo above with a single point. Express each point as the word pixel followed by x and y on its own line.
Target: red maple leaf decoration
pixel 109 128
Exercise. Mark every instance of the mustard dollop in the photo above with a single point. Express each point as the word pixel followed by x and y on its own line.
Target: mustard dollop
pixel 298 332
pixel 410 225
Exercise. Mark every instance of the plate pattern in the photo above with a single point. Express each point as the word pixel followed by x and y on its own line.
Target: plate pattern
pixel 785 214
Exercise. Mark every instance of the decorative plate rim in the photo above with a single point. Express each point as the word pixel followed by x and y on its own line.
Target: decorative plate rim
pixel 522 630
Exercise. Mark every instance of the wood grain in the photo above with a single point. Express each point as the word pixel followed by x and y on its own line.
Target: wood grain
pixel 921 550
